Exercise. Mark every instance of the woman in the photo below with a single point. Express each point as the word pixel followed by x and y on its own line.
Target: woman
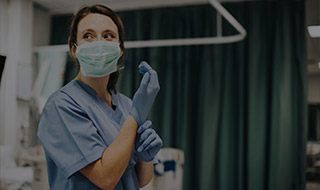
pixel 94 137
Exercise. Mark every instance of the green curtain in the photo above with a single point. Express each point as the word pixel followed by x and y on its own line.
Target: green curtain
pixel 238 111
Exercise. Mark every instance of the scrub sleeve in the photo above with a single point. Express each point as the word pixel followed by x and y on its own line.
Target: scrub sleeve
pixel 69 138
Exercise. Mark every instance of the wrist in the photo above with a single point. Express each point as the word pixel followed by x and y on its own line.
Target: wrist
pixel 133 121
pixel 134 114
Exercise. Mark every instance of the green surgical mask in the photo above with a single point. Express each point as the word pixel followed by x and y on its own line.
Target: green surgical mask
pixel 98 58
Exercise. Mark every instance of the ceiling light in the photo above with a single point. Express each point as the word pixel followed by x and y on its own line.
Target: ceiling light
pixel 314 31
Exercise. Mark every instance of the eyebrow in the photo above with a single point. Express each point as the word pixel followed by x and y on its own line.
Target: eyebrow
pixel 91 30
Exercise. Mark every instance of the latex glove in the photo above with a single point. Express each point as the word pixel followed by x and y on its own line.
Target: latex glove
pixel 148 142
pixel 146 93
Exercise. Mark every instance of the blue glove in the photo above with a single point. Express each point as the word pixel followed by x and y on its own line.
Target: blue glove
pixel 146 93
pixel 148 142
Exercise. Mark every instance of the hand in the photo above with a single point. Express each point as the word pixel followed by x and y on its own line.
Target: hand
pixel 146 93
pixel 148 142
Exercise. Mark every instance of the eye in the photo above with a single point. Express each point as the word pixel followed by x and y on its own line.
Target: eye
pixel 87 36
pixel 109 36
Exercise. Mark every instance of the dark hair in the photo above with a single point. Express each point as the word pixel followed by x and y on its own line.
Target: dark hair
pixel 100 9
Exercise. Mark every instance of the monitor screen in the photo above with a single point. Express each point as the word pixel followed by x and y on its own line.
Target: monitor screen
pixel 2 60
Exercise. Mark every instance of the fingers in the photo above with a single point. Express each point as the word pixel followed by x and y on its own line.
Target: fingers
pixel 145 79
pixel 149 139
pixel 144 126
pixel 144 67
pixel 149 74
pixel 145 135
pixel 155 143
pixel 146 138
pixel 154 79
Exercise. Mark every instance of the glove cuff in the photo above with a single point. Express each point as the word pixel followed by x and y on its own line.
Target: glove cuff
pixel 134 113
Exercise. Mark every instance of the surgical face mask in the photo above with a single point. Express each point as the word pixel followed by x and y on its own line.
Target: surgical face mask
pixel 98 58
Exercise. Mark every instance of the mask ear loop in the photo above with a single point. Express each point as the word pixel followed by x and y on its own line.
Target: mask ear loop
pixel 77 48
pixel 77 58
pixel 75 45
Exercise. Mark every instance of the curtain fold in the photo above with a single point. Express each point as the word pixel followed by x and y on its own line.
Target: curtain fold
pixel 238 110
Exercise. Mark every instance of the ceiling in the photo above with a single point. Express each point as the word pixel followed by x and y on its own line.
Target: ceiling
pixel 64 6
pixel 69 6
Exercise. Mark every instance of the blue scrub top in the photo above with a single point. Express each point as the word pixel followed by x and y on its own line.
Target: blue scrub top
pixel 75 128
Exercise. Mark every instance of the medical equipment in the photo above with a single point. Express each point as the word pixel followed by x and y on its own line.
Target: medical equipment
pixel 168 173
pixel 51 66
pixel 98 58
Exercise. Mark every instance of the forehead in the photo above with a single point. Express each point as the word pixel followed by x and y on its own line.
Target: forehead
pixel 97 22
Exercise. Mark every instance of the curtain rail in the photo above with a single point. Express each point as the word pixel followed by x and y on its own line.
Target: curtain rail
pixel 220 39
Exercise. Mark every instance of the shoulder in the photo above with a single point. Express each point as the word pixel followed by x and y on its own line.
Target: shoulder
pixel 62 98
pixel 73 87
pixel 66 93
pixel 59 111
pixel 58 100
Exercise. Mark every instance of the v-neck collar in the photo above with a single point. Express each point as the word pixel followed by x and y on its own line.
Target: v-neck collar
pixel 94 93
pixel 116 113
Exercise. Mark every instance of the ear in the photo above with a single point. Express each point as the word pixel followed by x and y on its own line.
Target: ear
pixel 121 53
pixel 73 51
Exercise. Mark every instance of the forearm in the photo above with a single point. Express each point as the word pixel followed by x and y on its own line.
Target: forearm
pixel 107 171
pixel 144 172
pixel 116 157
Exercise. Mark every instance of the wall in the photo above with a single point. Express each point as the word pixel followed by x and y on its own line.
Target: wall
pixel 314 89
pixel 41 26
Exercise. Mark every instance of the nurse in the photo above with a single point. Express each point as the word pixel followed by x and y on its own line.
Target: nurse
pixel 93 136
